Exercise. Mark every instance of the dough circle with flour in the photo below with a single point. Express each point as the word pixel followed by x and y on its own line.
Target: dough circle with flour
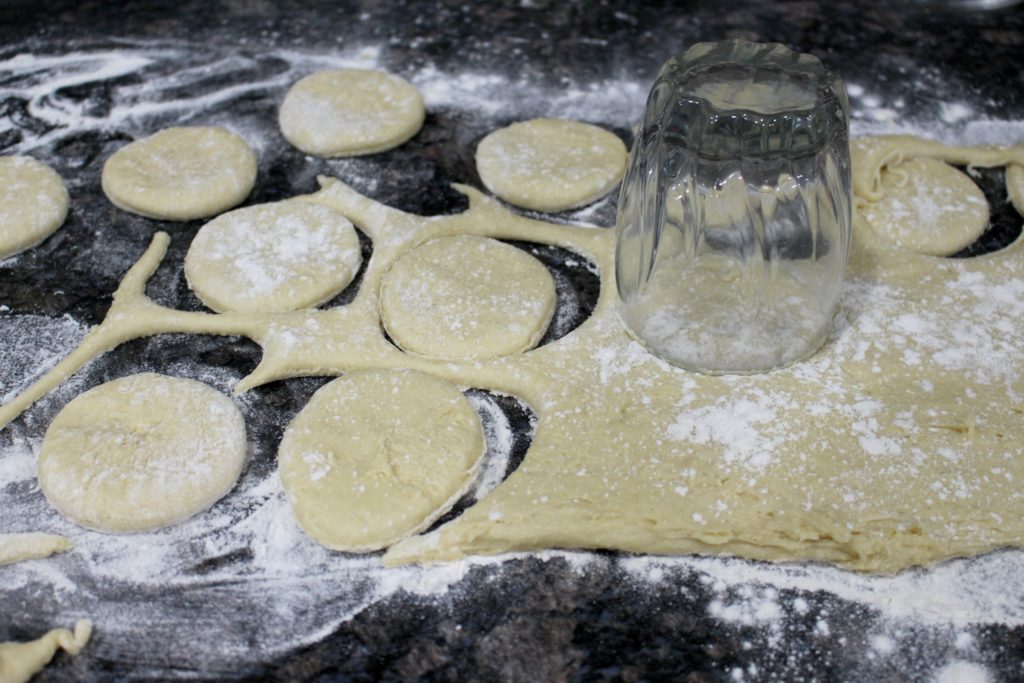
pixel 33 203
pixel 378 455
pixel 141 452
pixel 181 174
pixel 551 164
pixel 467 297
pixel 350 112
pixel 929 207
pixel 273 257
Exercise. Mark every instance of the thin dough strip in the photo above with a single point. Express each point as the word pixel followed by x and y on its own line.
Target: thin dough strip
pixel 19 662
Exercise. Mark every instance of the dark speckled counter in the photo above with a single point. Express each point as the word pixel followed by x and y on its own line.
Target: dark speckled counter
pixel 536 619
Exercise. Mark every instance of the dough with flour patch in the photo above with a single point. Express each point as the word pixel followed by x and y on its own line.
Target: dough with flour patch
pixel 273 257
pixel 929 207
pixel 141 452
pixel 30 546
pixel 19 662
pixel 378 455
pixel 181 174
pixel 467 297
pixel 551 164
pixel 350 112
pixel 33 203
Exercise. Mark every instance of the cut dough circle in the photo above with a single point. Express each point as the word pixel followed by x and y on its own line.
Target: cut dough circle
pixel 1015 186
pixel 181 174
pixel 141 452
pixel 551 164
pixel 350 112
pixel 378 455
pixel 273 257
pixel 33 203
pixel 467 297
pixel 929 207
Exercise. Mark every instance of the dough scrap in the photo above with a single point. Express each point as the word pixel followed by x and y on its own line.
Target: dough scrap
pixel 377 455
pixel 180 174
pixel 30 546
pixel 273 257
pixel 141 452
pixel 33 204
pixel 928 206
pixel 19 662
pixel 551 164
pixel 467 297
pixel 350 112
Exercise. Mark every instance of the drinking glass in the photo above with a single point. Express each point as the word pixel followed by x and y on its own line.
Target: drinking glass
pixel 733 224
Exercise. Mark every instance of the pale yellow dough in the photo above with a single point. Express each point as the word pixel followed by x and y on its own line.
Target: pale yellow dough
pixel 467 297
pixel 1015 186
pixel 30 546
pixel 33 204
pixel 378 455
pixel 273 257
pixel 19 662
pixel 899 443
pixel 181 174
pixel 141 452
pixel 350 112
pixel 551 164
pixel 929 207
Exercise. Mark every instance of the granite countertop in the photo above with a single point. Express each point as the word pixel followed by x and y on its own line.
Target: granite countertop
pixel 914 66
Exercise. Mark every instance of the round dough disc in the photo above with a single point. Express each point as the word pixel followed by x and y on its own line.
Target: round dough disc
pixel 551 164
pixel 33 203
pixel 350 112
pixel 181 174
pixel 1015 186
pixel 929 207
pixel 466 297
pixel 141 452
pixel 378 455
pixel 273 257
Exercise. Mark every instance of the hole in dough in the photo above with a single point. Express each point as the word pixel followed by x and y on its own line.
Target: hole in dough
pixel 350 112
pixel 181 174
pixel 33 204
pixel 928 207
pixel 273 257
pixel 1004 223
pixel 509 426
pixel 551 164
pixel 378 455
pixel 466 297
pixel 141 452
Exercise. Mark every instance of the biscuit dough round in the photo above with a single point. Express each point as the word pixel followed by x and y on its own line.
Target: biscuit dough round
pixel 929 207
pixel 141 452
pixel 350 112
pixel 1015 186
pixel 181 174
pixel 467 297
pixel 378 455
pixel 33 203
pixel 273 257
pixel 551 164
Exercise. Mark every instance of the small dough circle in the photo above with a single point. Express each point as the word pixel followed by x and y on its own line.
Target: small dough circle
pixel 141 452
pixel 33 204
pixel 928 207
pixel 350 112
pixel 551 164
pixel 181 174
pixel 273 257
pixel 467 297
pixel 1015 186
pixel 377 455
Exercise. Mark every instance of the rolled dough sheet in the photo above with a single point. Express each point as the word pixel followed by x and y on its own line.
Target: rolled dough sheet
pixel 899 443
pixel 33 203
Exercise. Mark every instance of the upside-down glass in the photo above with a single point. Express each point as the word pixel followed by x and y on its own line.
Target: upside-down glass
pixel 734 215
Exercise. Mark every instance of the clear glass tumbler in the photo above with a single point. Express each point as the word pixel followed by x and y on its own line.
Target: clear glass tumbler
pixel 734 215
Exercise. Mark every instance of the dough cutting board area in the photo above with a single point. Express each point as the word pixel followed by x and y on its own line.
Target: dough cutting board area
pixel 239 592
